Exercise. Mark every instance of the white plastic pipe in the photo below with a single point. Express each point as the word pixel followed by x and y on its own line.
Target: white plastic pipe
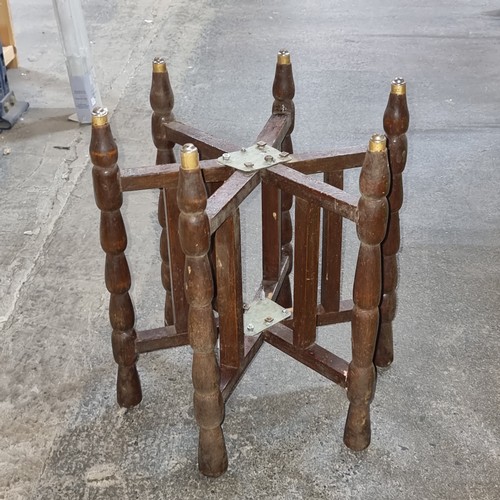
pixel 76 46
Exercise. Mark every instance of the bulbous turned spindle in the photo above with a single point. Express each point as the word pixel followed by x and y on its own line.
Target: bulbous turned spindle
pixel 396 122
pixel 108 197
pixel 194 233
pixel 371 228
pixel 283 93
pixel 162 102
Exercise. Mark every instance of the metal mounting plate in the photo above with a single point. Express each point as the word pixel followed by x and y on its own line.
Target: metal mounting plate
pixel 262 314
pixel 254 158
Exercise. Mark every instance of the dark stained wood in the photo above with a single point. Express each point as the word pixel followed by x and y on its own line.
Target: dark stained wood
pixel 319 163
pixel 190 219
pixel 161 98
pixel 271 232
pixel 396 122
pixel 208 146
pixel 283 93
pixel 229 196
pixel 305 277
pixel 158 176
pixel 194 233
pixel 108 197
pixel 229 292
pixel 331 254
pixel 275 130
pixel 155 339
pixel 316 357
pixel 343 315
pixel 371 228
pixel 177 261
pixel 313 190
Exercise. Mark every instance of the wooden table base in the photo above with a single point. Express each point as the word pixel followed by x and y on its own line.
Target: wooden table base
pixel 200 248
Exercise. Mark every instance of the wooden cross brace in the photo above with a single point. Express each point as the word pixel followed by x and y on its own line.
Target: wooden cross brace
pixel 201 253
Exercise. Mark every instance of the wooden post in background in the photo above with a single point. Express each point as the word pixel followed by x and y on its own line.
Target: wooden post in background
pixel 283 93
pixel 161 98
pixel 396 121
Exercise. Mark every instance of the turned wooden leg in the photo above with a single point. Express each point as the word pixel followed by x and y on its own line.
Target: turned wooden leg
pixel 396 121
pixel 161 98
pixel 194 233
pixel 283 93
pixel 371 227
pixel 108 197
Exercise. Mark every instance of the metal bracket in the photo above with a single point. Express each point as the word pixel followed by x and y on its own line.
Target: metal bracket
pixel 254 158
pixel 262 314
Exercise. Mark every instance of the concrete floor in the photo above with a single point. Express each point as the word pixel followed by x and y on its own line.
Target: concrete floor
pixel 436 425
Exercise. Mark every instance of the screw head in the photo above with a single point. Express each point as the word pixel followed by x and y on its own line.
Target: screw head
pixel 269 319
pixel 250 327
pixel 226 156
pixel 269 158
pixel 248 164
pixel 261 144
pixel 243 150
pixel 246 307
pixel 284 154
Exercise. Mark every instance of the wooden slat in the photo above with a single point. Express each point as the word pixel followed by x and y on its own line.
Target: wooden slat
pixel 159 338
pixel 229 291
pixel 208 146
pixel 343 315
pixel 305 274
pixel 275 130
pixel 165 176
pixel 229 197
pixel 331 250
pixel 338 159
pixel 313 190
pixel 177 260
pixel 316 357
pixel 271 231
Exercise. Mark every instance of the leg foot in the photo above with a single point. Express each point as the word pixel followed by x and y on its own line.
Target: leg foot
pixel 212 456
pixel 357 432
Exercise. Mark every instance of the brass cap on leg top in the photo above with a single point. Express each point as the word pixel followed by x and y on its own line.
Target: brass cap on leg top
pixel 284 57
pixel 398 86
pixel 189 157
pixel 159 65
pixel 99 116
pixel 378 143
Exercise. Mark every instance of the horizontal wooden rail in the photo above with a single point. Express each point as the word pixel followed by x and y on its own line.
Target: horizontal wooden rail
pixel 208 146
pixel 338 159
pixel 313 190
pixel 229 197
pixel 316 357
pixel 275 130
pixel 229 376
pixel 159 338
pixel 165 176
